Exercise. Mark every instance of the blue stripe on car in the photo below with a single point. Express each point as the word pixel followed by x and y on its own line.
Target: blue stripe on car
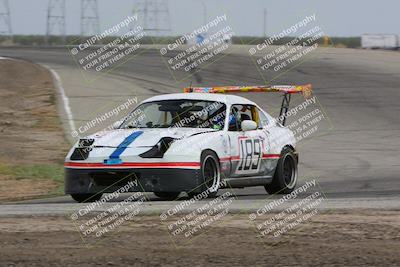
pixel 127 141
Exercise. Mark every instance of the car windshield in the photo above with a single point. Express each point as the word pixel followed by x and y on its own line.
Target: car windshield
pixel 177 113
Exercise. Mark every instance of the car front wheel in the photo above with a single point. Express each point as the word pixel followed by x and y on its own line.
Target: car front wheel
pixel 211 175
pixel 285 177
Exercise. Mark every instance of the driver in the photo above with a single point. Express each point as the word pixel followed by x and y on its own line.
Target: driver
pixel 234 119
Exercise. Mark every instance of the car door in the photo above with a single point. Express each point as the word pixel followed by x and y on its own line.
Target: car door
pixel 247 147
pixel 269 158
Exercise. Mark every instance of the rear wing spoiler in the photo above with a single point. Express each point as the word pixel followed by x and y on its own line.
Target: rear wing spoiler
pixel 305 90
pixel 287 90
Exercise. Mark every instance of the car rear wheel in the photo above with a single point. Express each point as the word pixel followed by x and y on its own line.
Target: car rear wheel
pixel 211 175
pixel 167 195
pixel 84 198
pixel 285 177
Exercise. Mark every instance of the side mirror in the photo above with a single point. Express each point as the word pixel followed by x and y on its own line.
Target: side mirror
pixel 248 125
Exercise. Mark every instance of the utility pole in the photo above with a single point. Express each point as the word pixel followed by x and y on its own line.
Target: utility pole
pixel 153 16
pixel 55 19
pixel 265 23
pixel 89 18
pixel 5 19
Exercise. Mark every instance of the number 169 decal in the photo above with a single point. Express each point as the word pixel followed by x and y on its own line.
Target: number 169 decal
pixel 250 156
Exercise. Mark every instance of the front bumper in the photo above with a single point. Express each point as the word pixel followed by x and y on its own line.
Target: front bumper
pixel 88 181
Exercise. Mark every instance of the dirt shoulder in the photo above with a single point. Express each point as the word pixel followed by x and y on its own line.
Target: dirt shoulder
pixel 360 238
pixel 32 142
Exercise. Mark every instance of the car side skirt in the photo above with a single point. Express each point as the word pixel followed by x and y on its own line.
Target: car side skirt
pixel 247 181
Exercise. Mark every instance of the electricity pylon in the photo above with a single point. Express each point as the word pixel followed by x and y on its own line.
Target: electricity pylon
pixel 153 16
pixel 55 19
pixel 89 18
pixel 5 18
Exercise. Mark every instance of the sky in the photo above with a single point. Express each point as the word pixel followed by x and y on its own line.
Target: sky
pixel 336 18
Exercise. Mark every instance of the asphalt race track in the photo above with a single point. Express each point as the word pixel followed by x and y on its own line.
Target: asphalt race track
pixel 356 158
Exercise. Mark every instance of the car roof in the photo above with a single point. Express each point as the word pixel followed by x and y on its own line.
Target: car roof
pixel 223 98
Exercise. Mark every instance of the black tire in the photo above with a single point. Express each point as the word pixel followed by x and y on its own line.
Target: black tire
pixel 285 177
pixel 210 173
pixel 85 198
pixel 167 195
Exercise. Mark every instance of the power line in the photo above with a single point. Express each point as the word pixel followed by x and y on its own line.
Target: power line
pixel 56 19
pixel 89 18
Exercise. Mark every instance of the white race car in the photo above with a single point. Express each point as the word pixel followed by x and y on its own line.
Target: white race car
pixel 193 142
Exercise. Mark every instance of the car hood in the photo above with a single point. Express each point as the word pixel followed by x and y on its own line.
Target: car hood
pixel 142 137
